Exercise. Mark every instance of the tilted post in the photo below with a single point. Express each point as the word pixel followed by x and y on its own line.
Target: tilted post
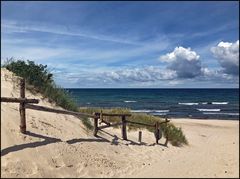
pixel 124 128
pixel 95 129
pixel 22 108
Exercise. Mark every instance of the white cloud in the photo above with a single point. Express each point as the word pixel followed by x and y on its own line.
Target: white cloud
pixel 228 56
pixel 146 74
pixel 184 62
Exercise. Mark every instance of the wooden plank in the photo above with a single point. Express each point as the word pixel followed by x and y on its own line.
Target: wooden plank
pixel 150 125
pixel 22 109
pixel 124 128
pixel 47 109
pixel 18 100
pixel 117 115
pixel 111 125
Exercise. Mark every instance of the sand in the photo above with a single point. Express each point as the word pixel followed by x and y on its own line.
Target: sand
pixel 58 145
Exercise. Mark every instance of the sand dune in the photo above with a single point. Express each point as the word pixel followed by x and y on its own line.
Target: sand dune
pixel 58 145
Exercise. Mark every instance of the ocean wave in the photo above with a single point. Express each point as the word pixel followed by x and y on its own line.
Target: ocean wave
pixel 189 104
pixel 209 110
pixel 160 111
pixel 141 111
pixel 159 114
pixel 219 102
pixel 222 113
pixel 149 111
pixel 130 101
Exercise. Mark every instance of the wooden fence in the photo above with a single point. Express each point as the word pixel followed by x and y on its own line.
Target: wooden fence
pixel 24 104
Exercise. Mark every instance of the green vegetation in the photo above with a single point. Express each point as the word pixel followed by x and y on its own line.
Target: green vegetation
pixel 175 135
pixel 39 79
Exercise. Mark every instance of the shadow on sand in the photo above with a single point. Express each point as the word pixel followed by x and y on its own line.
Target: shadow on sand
pixel 50 140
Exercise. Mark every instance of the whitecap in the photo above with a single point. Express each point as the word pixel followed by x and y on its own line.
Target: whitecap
pixel 141 111
pixel 189 104
pixel 219 102
pixel 130 101
pixel 209 110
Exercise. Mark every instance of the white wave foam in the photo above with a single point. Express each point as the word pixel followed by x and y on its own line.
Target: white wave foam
pixel 209 110
pixel 204 102
pixel 141 111
pixel 130 101
pixel 219 102
pixel 159 114
pixel 222 113
pixel 160 111
pixel 150 111
pixel 189 104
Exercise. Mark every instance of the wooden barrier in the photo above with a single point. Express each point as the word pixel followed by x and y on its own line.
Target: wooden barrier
pixel 19 100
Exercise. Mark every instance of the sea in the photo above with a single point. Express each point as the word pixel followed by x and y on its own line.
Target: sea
pixel 171 103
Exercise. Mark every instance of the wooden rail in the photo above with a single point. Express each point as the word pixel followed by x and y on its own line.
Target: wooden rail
pixel 59 111
pixel 18 100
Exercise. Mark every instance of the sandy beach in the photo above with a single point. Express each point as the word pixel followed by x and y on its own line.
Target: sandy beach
pixel 58 145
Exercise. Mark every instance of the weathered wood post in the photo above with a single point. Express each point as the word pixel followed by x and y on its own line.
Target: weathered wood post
pixel 124 128
pixel 22 107
pixel 95 129
pixel 157 132
pixel 140 136
pixel 166 142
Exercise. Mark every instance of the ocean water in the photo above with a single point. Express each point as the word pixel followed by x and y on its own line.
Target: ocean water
pixel 192 103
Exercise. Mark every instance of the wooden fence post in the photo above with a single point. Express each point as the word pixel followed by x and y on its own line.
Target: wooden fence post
pixel 166 142
pixel 124 128
pixel 140 136
pixel 157 132
pixel 22 107
pixel 95 130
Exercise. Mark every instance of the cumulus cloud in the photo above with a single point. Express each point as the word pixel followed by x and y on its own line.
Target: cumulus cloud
pixel 184 62
pixel 228 56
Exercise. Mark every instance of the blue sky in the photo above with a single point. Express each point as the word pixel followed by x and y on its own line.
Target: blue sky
pixel 127 44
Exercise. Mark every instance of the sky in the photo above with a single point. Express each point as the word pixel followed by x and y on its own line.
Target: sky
pixel 126 44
